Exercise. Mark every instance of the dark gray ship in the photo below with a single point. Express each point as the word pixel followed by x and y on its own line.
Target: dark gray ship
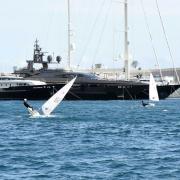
pixel 87 86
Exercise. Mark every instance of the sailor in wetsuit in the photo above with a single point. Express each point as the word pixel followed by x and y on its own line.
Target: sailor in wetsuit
pixel 27 105
pixel 145 104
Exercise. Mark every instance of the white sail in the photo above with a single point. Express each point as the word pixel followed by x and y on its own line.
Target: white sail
pixel 53 102
pixel 153 94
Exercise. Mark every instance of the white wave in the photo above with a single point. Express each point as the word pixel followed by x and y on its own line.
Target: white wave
pixel 43 116
pixel 165 110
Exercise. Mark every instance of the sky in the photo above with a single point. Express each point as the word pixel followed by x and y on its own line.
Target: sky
pixel 97 28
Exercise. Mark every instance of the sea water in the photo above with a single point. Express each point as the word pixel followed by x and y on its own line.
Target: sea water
pixel 91 140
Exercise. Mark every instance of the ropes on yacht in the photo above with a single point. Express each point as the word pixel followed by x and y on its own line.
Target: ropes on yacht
pixel 151 39
pixel 102 32
pixel 167 42
pixel 91 32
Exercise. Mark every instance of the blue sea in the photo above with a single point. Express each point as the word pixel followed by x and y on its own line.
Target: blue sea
pixel 91 140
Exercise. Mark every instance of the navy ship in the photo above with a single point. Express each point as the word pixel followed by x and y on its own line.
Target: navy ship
pixel 87 86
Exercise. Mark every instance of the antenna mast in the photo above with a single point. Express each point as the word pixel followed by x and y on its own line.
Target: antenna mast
pixel 126 42
pixel 69 36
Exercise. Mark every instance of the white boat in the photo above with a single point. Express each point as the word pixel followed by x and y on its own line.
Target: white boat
pixel 14 81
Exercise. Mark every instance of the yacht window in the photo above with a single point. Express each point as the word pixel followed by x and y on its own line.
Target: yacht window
pixel 65 76
pixel 93 85
pixel 81 75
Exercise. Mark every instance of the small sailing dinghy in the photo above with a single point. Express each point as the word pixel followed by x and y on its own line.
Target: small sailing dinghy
pixel 49 106
pixel 153 93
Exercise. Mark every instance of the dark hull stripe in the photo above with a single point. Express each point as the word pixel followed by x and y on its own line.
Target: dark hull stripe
pixel 86 92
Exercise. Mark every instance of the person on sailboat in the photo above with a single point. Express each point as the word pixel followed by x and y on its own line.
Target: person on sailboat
pixel 27 105
pixel 30 109
pixel 145 104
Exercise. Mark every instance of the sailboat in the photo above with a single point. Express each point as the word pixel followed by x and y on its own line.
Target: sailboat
pixel 153 93
pixel 49 106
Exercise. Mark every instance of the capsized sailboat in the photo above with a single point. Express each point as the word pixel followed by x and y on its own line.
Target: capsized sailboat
pixel 153 93
pixel 49 106
pixel 56 99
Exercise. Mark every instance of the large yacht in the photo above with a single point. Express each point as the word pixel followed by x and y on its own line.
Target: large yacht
pixel 88 86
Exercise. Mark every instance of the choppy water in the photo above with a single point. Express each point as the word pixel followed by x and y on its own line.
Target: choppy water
pixel 91 140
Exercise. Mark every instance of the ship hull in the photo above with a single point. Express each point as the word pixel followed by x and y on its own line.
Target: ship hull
pixel 86 92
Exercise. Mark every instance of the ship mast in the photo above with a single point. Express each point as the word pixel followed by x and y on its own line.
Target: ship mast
pixel 69 36
pixel 126 42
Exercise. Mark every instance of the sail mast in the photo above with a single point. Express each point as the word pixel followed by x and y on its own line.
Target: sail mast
pixel 69 36
pixel 126 42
